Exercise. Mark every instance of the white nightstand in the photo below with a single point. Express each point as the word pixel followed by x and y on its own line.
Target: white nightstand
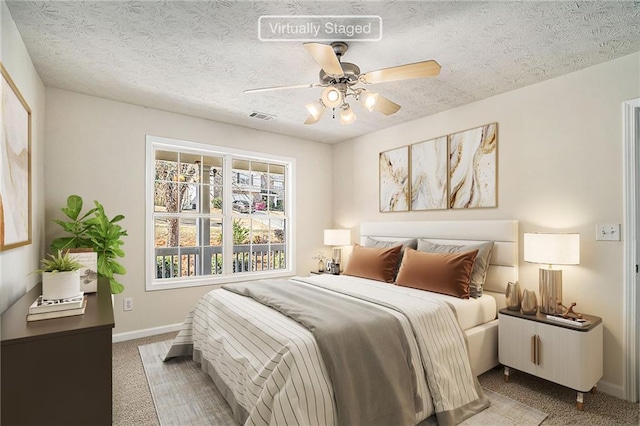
pixel 567 355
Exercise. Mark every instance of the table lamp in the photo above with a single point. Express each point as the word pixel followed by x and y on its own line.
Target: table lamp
pixel 551 249
pixel 337 238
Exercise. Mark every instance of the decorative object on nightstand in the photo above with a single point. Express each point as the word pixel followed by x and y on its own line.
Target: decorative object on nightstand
pixel 551 249
pixel 60 278
pixel 336 238
pixel 322 259
pixel 513 296
pixel 529 304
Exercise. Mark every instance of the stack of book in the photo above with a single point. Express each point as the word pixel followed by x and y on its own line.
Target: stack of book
pixel 43 309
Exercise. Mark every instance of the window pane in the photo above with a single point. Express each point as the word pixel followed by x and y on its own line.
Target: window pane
pixel 215 199
pixel 277 231
pixel 212 170
pixel 241 248
pixel 166 165
pixel 166 247
pixel 189 199
pixel 191 159
pixel 260 231
pixel 166 232
pixel 212 234
pixel 188 236
pixel 189 171
pixel 242 202
pixel 260 175
pixel 241 174
pixel 165 197
pixel 276 177
pixel 278 246
pixel 189 262
pixel 241 231
pixel 276 202
pixel 167 266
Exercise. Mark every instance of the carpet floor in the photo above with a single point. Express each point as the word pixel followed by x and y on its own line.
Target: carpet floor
pixel 184 396
pixel 133 403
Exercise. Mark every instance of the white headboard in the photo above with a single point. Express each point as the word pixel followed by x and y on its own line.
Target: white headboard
pixel 503 265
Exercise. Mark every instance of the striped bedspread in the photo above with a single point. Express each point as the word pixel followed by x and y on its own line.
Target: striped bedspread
pixel 270 369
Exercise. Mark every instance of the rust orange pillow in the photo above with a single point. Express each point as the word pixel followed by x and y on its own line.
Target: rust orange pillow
pixel 446 273
pixel 378 264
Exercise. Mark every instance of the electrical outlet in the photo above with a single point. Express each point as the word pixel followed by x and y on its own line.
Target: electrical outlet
pixel 608 232
pixel 127 304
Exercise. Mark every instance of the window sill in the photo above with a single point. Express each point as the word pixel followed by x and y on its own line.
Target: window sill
pixel 212 280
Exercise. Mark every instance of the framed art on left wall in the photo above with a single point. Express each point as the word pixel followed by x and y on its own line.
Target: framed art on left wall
pixel 15 166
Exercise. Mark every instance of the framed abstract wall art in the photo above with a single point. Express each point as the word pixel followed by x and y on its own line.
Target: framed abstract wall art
pixel 394 180
pixel 15 166
pixel 473 168
pixel 429 174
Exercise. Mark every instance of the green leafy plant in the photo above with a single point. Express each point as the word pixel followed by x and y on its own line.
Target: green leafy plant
pixel 95 230
pixel 60 262
pixel 240 233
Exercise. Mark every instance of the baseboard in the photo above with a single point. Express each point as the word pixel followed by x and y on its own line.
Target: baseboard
pixel 611 389
pixel 130 335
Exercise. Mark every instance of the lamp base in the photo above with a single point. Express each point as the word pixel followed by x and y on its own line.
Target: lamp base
pixel 337 255
pixel 550 290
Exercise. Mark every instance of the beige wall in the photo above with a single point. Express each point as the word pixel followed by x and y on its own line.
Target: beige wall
pixel 17 263
pixel 559 168
pixel 96 149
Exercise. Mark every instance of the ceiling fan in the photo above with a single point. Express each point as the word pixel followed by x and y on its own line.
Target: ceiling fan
pixel 340 80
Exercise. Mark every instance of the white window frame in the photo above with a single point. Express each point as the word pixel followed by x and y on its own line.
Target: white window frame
pixel 154 143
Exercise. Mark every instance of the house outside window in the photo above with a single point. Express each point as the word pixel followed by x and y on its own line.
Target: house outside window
pixel 216 214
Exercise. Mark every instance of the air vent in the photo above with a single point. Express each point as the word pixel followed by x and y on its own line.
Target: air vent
pixel 262 116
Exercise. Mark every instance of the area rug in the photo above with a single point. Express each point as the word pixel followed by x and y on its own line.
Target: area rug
pixel 184 395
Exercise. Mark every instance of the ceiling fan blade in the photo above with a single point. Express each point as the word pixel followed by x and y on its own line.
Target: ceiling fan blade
pixel 294 86
pixel 324 56
pixel 386 106
pixel 402 72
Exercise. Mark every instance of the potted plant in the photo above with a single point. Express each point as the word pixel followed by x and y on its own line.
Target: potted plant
pixel 60 278
pixel 94 229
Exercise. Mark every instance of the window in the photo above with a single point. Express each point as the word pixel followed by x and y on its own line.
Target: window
pixel 216 214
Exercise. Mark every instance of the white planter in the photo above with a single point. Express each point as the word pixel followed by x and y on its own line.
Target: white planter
pixel 60 285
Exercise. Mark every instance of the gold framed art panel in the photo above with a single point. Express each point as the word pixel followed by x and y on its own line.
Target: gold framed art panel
pixel 393 167
pixel 429 174
pixel 15 166
pixel 473 168
pixel 455 171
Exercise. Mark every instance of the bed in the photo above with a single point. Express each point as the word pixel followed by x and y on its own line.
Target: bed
pixel 271 369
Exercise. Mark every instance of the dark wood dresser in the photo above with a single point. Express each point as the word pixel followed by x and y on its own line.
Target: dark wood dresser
pixel 57 371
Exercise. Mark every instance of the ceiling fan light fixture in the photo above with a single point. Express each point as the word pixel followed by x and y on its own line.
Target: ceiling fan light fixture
pixel 368 100
pixel 346 115
pixel 311 120
pixel 331 97
pixel 316 109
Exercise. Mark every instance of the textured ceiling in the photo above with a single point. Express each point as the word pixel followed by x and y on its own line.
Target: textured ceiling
pixel 197 57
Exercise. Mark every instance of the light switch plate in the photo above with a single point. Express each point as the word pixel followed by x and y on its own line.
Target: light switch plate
pixel 608 232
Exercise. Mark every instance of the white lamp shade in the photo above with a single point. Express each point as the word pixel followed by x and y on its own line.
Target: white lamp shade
pixel 331 97
pixel 347 116
pixel 368 100
pixel 552 249
pixel 316 109
pixel 337 237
